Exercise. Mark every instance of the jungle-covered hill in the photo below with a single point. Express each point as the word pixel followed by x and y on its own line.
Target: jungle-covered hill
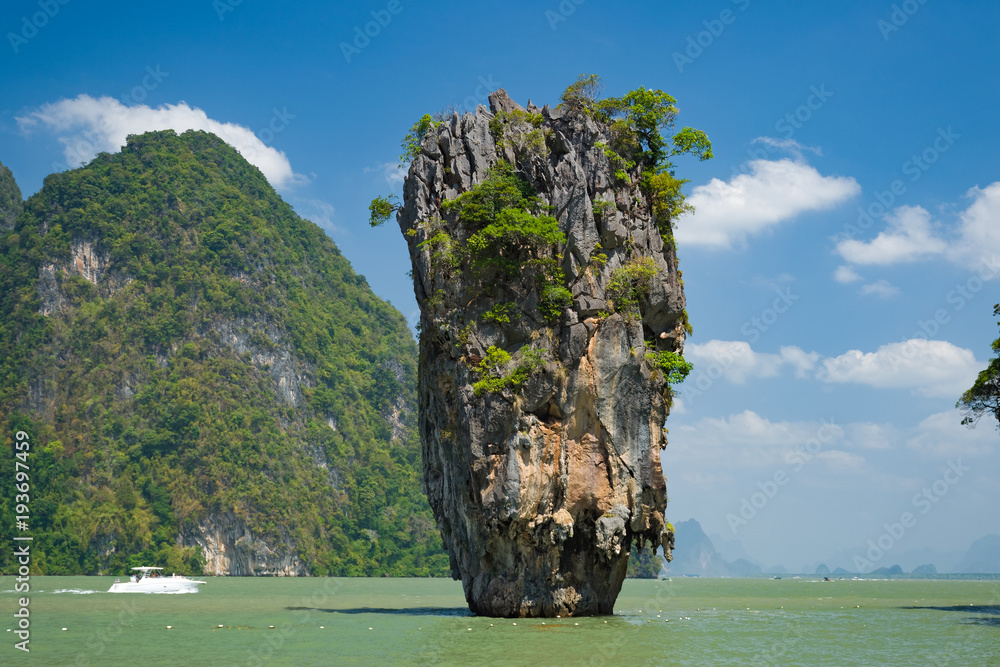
pixel 206 383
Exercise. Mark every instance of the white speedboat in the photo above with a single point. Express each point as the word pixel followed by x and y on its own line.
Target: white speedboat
pixel 149 580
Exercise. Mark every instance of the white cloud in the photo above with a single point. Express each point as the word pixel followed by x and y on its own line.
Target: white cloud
pixel 732 359
pixel 911 236
pixel 979 227
pixel 865 435
pixel 707 481
pixel 845 274
pixel 736 361
pixel 788 145
pixel 801 360
pixel 391 172
pixel 928 367
pixel 319 211
pixel 90 125
pixel 726 213
pixel 942 435
pixel 882 288
pixel 776 284
pixel 747 440
pixel 841 461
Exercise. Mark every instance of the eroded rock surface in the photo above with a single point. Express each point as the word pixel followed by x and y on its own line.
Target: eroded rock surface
pixel 540 489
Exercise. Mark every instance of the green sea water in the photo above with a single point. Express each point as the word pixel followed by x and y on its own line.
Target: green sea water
pixel 74 621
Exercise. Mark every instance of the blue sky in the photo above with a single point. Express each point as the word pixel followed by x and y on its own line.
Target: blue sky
pixel 839 267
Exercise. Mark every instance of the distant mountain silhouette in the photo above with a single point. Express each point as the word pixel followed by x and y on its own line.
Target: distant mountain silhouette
pixel 699 554
pixel 695 554
pixel 908 560
pixel 983 557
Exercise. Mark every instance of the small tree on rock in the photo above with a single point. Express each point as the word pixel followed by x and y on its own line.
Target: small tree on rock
pixel 984 395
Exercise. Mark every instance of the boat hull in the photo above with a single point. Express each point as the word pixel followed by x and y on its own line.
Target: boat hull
pixel 157 585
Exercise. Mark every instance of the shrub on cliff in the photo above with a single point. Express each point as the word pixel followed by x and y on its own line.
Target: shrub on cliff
pixel 641 122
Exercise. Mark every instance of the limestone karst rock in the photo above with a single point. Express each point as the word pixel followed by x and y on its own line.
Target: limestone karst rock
pixel 541 408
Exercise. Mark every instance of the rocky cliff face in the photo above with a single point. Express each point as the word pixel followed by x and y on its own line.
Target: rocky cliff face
pixel 230 548
pixel 541 412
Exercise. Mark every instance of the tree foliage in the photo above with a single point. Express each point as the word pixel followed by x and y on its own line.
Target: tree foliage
pixel 984 395
pixel 493 379
pixel 629 283
pixel 642 123
pixel 381 208
pixel 584 93
pixel 415 137
pixel 510 237
pixel 672 365
pixel 501 190
pixel 648 114
pixel 644 563
pixel 10 198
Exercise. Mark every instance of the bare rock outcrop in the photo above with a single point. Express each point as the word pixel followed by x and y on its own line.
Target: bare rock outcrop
pixel 541 412
pixel 231 549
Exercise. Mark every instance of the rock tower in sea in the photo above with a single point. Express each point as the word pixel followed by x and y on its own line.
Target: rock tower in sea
pixel 541 406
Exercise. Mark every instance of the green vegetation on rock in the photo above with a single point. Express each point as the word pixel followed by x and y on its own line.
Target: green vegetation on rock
pixel 10 199
pixel 984 395
pixel 641 122
pixel 672 365
pixel 521 131
pixel 500 313
pixel 511 237
pixel 381 208
pixel 629 284
pixel 494 380
pixel 220 359
pixel 415 137
pixel 644 563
